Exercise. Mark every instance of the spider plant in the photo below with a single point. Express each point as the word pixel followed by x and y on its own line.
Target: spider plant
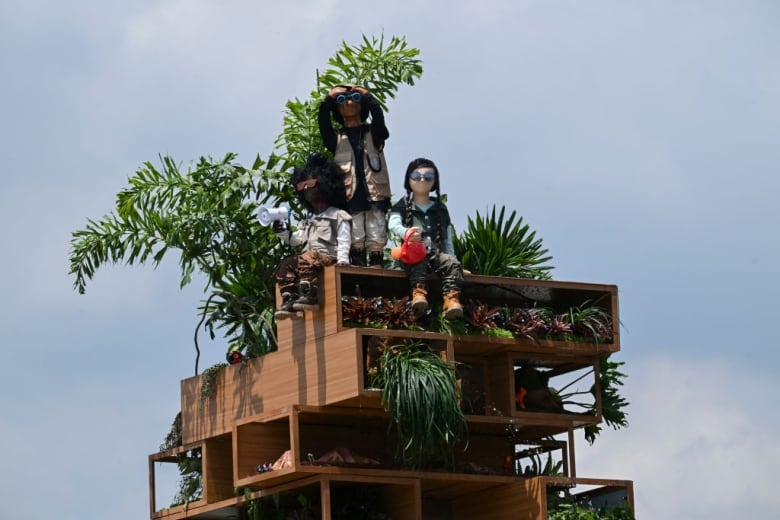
pixel 589 321
pixel 498 247
pixel 420 391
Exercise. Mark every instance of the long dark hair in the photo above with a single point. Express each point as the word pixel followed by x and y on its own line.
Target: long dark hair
pixel 328 177
pixel 422 162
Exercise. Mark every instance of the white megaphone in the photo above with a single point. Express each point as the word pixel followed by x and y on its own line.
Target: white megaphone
pixel 268 216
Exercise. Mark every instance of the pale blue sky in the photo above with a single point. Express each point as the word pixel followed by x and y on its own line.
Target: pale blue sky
pixel 639 139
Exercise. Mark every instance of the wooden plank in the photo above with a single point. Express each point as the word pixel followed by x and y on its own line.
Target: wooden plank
pixel 217 469
pixel 319 373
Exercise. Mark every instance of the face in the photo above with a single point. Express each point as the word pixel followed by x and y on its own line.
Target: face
pixel 421 179
pixel 349 107
pixel 311 193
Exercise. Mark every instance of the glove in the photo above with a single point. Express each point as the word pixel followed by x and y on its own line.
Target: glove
pixel 279 227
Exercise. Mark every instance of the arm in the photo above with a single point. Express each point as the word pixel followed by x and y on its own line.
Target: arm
pixel 379 131
pixel 326 127
pixel 344 241
pixel 395 227
pixel 448 246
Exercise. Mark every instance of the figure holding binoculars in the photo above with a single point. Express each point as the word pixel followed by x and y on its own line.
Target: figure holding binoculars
pixel 324 238
pixel 357 150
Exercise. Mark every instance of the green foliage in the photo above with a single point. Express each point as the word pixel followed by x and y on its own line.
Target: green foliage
pixel 190 466
pixel 420 391
pixel 173 439
pixel 208 212
pixel 493 246
pixel 208 215
pixel 376 64
pixel 612 403
pixel 566 508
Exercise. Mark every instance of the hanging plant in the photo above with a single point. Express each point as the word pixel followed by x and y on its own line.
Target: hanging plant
pixel 420 391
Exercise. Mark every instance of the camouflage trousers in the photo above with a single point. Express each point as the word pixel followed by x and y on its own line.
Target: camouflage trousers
pixel 445 265
pixel 305 267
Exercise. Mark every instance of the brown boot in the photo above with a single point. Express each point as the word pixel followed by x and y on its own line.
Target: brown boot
pixel 452 308
pixel 419 299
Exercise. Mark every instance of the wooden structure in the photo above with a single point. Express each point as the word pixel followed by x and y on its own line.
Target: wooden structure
pixel 312 396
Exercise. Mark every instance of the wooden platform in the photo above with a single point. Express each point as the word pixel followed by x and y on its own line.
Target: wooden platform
pixel 313 395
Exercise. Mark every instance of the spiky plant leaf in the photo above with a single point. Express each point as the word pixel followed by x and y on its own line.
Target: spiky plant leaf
pixel 497 247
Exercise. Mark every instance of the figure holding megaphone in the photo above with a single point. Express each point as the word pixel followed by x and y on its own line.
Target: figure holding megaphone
pixel 324 238
pixel 278 217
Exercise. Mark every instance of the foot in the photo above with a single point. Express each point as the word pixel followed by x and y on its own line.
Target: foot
pixel 308 300
pixel 376 259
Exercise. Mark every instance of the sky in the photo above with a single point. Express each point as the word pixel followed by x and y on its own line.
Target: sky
pixel 638 139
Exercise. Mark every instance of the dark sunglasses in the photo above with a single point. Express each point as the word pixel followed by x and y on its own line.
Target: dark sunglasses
pixel 427 176
pixel 354 96
pixel 305 185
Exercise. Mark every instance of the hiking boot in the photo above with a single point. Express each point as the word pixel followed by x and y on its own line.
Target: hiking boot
pixel 285 310
pixel 376 259
pixel 308 300
pixel 357 257
pixel 452 308
pixel 419 299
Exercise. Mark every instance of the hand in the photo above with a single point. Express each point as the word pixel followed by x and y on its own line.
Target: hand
pixel 363 91
pixel 279 226
pixel 415 236
pixel 335 91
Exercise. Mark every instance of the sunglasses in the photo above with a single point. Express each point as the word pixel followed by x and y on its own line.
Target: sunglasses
pixel 343 98
pixel 417 176
pixel 305 185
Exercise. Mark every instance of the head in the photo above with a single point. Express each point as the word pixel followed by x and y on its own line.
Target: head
pixel 352 103
pixel 317 183
pixel 426 164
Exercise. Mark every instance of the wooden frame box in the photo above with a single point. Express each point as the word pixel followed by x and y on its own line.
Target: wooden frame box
pixel 216 477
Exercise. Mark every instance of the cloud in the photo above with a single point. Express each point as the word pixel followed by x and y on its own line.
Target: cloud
pixel 698 430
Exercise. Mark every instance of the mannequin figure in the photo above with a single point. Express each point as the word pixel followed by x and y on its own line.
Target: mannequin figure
pixel 427 219
pixel 357 150
pixel 324 238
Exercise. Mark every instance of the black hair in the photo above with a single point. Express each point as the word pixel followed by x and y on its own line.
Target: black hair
pixel 328 175
pixel 334 109
pixel 422 162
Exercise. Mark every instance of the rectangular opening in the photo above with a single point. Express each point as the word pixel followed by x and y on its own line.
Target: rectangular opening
pixel 555 387
pixel 259 444
pixel 363 500
pixel 177 479
pixel 591 497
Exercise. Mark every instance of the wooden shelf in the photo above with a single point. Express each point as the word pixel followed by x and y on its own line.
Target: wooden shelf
pixel 217 474
pixel 312 396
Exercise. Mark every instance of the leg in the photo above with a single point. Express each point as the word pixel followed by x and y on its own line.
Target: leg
pixel 451 274
pixel 418 279
pixel 376 236
pixel 310 264
pixel 357 253
pixel 287 278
